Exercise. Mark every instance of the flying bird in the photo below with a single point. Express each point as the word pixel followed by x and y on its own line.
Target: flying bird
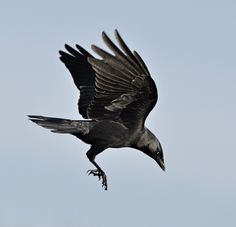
pixel 117 93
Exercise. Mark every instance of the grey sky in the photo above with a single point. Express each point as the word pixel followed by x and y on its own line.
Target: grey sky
pixel 189 47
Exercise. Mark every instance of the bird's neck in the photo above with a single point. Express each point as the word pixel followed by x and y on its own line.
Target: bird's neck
pixel 148 143
pixel 145 140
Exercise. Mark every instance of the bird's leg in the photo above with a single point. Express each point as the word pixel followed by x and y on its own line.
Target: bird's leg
pixel 91 154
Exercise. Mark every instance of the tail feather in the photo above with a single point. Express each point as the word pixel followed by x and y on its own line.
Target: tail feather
pixel 56 125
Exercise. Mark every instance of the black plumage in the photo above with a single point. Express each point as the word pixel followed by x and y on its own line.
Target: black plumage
pixel 116 95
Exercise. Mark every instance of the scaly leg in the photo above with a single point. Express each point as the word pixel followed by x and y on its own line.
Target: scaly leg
pixel 91 154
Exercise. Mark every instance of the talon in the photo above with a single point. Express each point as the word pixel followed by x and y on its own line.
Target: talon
pixel 94 172
pixel 101 175
pixel 104 182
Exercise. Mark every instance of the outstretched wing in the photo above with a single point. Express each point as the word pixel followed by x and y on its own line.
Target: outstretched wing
pixel 125 91
pixel 82 73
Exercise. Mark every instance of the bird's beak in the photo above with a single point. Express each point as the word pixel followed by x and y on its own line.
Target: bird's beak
pixel 160 162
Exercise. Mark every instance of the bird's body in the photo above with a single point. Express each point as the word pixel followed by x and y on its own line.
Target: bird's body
pixel 106 133
pixel 116 95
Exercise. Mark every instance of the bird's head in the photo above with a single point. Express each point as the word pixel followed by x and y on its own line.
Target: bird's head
pixel 154 150
pixel 151 146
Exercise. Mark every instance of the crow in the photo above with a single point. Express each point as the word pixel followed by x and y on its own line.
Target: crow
pixel 117 93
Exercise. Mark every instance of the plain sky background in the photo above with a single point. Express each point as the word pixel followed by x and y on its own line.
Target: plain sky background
pixel 189 47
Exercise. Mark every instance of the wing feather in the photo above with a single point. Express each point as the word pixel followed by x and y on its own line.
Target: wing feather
pixel 141 63
pixel 127 51
pixel 112 83
pixel 122 81
pixel 82 73
pixel 119 54
pixel 125 91
pixel 116 87
pixel 113 61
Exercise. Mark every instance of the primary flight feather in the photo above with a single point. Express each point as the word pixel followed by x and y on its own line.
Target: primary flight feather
pixel 116 95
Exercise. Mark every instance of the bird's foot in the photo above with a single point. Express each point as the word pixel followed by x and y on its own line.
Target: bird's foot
pixel 101 175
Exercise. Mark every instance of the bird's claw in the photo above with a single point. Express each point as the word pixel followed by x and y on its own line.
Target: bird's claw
pixel 101 175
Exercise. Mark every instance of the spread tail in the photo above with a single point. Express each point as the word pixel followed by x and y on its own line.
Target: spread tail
pixel 57 125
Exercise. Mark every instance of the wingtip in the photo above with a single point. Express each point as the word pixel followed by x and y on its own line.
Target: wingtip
pixel 35 117
pixel 120 40
pixel 31 116
pixel 104 35
pixel 80 48
pixel 61 52
pixel 69 48
pixel 95 48
pixel 116 32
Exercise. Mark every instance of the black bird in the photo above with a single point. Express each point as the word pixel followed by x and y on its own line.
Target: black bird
pixel 116 95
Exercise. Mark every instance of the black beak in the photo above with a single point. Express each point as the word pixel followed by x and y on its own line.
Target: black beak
pixel 160 162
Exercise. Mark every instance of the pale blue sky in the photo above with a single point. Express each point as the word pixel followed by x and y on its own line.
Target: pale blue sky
pixel 189 47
